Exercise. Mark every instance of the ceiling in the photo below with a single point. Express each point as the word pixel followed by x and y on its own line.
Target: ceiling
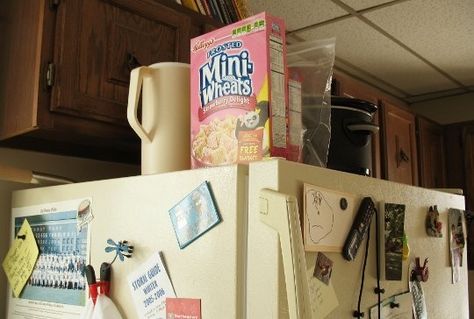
pixel 416 50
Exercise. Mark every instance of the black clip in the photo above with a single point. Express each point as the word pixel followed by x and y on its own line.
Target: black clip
pixel 22 237
pixel 378 290
pixel 357 314
pixel 394 305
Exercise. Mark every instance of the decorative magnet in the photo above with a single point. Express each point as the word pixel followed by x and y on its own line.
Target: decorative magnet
pixel 433 225
pixel 122 249
pixel 420 273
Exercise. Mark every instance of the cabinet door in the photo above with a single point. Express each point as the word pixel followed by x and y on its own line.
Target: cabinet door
pixel 20 51
pixel 400 154
pixel 431 151
pixel 99 42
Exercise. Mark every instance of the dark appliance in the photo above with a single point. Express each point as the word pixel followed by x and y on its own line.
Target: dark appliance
pixel 350 148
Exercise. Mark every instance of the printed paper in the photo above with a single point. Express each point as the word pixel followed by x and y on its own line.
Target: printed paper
pixel 456 242
pixel 183 308
pixel 150 286
pixel 323 297
pixel 21 258
pixel 392 224
pixel 56 288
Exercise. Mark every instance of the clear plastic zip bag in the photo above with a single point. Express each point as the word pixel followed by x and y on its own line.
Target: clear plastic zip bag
pixel 310 69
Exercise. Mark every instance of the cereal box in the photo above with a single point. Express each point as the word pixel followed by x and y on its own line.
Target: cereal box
pixel 239 100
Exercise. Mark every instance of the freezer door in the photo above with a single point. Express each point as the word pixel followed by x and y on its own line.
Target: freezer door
pixel 135 209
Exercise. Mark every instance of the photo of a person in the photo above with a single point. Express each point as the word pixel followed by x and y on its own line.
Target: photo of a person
pixel 456 242
pixel 58 275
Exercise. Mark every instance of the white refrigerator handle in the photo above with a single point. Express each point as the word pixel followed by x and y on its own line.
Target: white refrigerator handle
pixel 280 212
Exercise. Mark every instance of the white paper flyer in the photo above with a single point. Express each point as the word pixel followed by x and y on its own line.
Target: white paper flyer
pixel 150 286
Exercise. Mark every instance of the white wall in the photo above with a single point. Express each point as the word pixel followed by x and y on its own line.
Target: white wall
pixel 73 168
pixel 449 110
pixel 78 169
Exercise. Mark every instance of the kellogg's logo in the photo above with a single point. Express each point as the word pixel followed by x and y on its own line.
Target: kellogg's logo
pixel 225 74
pixel 202 44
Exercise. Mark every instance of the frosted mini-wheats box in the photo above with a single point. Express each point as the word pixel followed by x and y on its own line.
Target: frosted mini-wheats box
pixel 239 100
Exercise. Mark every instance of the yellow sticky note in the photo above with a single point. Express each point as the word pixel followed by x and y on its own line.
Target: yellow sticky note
pixel 21 258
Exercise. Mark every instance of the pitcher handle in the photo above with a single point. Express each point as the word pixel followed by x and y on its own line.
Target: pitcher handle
pixel 136 81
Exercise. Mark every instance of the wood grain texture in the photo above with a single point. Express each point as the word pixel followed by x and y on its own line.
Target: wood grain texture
pixel 432 163
pixel 96 40
pixel 89 42
pixel 20 66
pixel 399 136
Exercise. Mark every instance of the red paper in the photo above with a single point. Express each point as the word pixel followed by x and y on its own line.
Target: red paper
pixel 183 308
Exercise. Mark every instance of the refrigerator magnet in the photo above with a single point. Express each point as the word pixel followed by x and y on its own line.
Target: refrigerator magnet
pixel 194 215
pixel 84 214
pixel 323 268
pixel 433 224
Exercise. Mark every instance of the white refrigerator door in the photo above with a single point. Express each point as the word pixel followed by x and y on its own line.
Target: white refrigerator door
pixel 136 209
pixel 266 288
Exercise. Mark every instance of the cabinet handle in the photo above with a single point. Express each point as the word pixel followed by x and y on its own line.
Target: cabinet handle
pixel 403 156
pixel 132 62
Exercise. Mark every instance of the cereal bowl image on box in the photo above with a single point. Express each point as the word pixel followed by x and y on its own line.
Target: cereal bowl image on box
pixel 239 93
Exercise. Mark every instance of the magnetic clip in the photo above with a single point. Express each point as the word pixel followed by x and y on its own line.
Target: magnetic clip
pixel 101 287
pixel 394 305
pixel 91 281
pixel 378 290
pixel 105 274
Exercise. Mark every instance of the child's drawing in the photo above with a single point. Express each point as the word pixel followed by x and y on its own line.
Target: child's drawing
pixel 328 216
pixel 321 223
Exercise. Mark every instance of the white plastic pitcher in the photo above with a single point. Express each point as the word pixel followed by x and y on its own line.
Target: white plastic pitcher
pixel 165 126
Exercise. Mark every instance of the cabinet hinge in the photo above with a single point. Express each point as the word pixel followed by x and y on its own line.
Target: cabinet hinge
pixel 50 74
pixel 53 4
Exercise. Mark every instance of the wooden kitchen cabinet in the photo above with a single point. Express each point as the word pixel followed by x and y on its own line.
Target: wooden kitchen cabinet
pixel 65 69
pixel 469 166
pixel 399 150
pixel 459 144
pixel 432 164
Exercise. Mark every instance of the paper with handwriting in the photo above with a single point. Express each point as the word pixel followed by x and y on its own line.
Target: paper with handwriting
pixel 323 297
pixel 21 258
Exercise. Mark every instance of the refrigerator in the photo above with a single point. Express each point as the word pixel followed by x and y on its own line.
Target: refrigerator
pixel 244 267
